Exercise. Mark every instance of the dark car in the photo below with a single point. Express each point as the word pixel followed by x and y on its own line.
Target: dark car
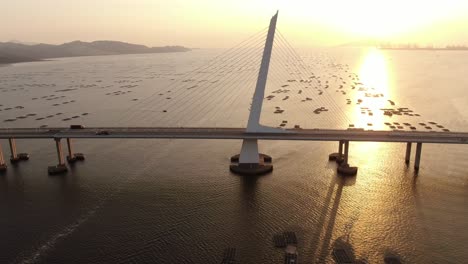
pixel 102 133
pixel 77 127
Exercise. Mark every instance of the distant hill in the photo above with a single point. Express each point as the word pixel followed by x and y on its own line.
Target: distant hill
pixel 23 42
pixel 11 52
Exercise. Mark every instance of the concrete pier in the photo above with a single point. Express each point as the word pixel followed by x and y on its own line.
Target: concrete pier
pixel 417 159
pixel 70 150
pixel 72 157
pixel 250 161
pixel 14 156
pixel 61 167
pixel 340 147
pixel 3 166
pixel 344 167
pixel 58 144
pixel 408 153
pixel 346 151
pixel 337 156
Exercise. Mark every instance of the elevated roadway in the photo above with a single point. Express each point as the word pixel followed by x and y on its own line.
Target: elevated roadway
pixel 236 133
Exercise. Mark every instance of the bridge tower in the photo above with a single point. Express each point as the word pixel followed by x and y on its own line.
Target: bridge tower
pixel 250 161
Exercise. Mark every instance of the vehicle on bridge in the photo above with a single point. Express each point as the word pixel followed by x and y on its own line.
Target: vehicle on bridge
pixel 103 133
pixel 77 127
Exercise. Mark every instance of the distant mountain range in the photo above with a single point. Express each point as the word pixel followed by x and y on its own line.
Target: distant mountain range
pixel 12 52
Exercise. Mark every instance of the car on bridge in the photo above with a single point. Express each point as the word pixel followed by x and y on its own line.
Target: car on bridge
pixel 77 127
pixel 103 133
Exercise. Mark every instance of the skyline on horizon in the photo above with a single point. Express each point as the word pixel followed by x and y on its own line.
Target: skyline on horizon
pixel 215 24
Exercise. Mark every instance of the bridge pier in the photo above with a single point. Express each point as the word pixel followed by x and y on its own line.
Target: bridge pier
pixel 72 157
pixel 340 148
pixel 408 153
pixel 344 167
pixel 250 161
pixel 337 156
pixel 417 159
pixel 61 167
pixel 346 151
pixel 15 156
pixel 3 165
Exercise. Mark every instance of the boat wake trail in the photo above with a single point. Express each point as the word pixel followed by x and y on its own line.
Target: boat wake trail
pixel 50 244
pixel 42 250
pixel 47 246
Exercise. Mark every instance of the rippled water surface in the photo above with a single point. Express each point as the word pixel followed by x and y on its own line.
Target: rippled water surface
pixel 175 201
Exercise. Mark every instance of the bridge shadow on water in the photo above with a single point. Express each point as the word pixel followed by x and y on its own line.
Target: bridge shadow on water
pixel 321 240
pixel 325 244
pixel 322 237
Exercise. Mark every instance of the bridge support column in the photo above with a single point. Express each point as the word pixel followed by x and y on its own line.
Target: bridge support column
pixel 72 157
pixel 408 153
pixel 346 151
pixel 3 165
pixel 250 161
pixel 337 156
pixel 61 167
pixel 15 156
pixel 58 144
pixel 344 167
pixel 417 159
pixel 340 147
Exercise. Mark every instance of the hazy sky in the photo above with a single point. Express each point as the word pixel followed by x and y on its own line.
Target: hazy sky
pixel 220 23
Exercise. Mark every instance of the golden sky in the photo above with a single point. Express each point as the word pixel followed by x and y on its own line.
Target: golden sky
pixel 221 23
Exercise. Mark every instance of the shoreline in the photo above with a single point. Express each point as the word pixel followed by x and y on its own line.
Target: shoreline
pixel 52 59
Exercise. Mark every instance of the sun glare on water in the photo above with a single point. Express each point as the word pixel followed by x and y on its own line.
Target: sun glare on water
pixel 375 84
pixel 374 71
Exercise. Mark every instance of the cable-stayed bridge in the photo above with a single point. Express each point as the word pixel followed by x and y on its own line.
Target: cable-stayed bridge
pixel 191 102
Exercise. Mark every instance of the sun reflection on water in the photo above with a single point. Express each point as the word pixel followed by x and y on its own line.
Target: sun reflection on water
pixel 373 91
pixel 372 95
pixel 374 72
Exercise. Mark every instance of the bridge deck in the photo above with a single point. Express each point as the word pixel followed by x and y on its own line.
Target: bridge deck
pixel 237 133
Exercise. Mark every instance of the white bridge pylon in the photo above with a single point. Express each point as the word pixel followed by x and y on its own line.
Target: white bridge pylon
pixel 249 156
